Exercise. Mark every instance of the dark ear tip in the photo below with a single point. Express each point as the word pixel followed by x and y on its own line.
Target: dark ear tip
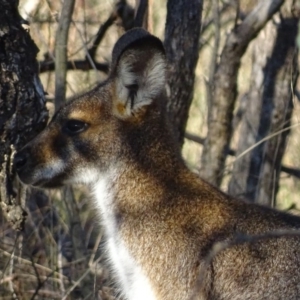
pixel 132 38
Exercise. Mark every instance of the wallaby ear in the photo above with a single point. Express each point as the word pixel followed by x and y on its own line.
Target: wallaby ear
pixel 138 71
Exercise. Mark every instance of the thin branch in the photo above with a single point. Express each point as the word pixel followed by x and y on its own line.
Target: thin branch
pixel 87 57
pixel 194 138
pixel 209 22
pixel 141 13
pixel 125 14
pixel 39 282
pixel 83 65
pixel 297 94
pixel 215 53
pixel 11 267
pixel 27 262
pixel 266 138
pixel 237 13
pixel 100 34
pixel 75 284
pixel 123 11
pixel 200 140
pixel 204 40
pixel 291 171
pixel 61 42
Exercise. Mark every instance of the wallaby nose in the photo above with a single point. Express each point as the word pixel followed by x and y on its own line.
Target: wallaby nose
pixel 20 160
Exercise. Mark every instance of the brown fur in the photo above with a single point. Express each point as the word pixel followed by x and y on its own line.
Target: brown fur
pixel 167 218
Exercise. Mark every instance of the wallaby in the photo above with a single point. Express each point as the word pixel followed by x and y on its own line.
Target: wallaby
pixel 161 220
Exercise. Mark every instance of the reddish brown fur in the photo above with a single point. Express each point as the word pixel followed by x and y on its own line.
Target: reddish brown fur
pixel 166 217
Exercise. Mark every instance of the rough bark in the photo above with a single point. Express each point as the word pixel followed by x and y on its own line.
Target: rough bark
pixel 269 108
pixel 225 90
pixel 22 104
pixel 181 44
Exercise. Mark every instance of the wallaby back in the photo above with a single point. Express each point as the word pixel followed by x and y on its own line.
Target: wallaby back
pixel 161 220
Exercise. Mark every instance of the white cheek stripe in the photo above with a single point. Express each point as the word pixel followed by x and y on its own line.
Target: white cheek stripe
pixel 85 176
pixel 133 283
pixel 52 169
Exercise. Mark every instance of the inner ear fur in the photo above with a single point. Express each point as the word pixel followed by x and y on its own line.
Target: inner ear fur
pixel 138 72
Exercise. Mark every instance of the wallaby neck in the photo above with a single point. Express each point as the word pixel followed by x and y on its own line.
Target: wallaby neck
pixel 140 179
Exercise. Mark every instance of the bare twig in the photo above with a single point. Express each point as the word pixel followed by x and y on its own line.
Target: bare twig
pixel 88 56
pixel 27 262
pixel 29 277
pixel 297 94
pixel 100 34
pixel 200 140
pixel 83 65
pixel 121 10
pixel 39 282
pixel 60 265
pixel 46 293
pixel 267 138
pixel 141 17
pixel 291 171
pixel 214 55
pixel 207 34
pixel 194 138
pixel 61 43
pixel 11 268
pixel 75 284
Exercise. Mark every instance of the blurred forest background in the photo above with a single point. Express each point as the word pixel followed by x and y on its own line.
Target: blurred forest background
pixel 234 95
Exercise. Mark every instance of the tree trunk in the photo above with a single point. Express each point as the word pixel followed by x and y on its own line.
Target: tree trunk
pixel 22 103
pixel 269 108
pixel 181 43
pixel 225 90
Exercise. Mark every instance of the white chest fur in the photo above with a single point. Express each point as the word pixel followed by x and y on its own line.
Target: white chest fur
pixel 133 284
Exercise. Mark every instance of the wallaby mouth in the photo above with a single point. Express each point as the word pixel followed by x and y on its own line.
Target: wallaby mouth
pixel 42 175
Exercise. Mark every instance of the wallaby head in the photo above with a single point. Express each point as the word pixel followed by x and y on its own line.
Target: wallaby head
pixel 94 131
pixel 160 219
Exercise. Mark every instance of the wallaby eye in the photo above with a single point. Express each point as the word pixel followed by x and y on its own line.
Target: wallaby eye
pixel 73 127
